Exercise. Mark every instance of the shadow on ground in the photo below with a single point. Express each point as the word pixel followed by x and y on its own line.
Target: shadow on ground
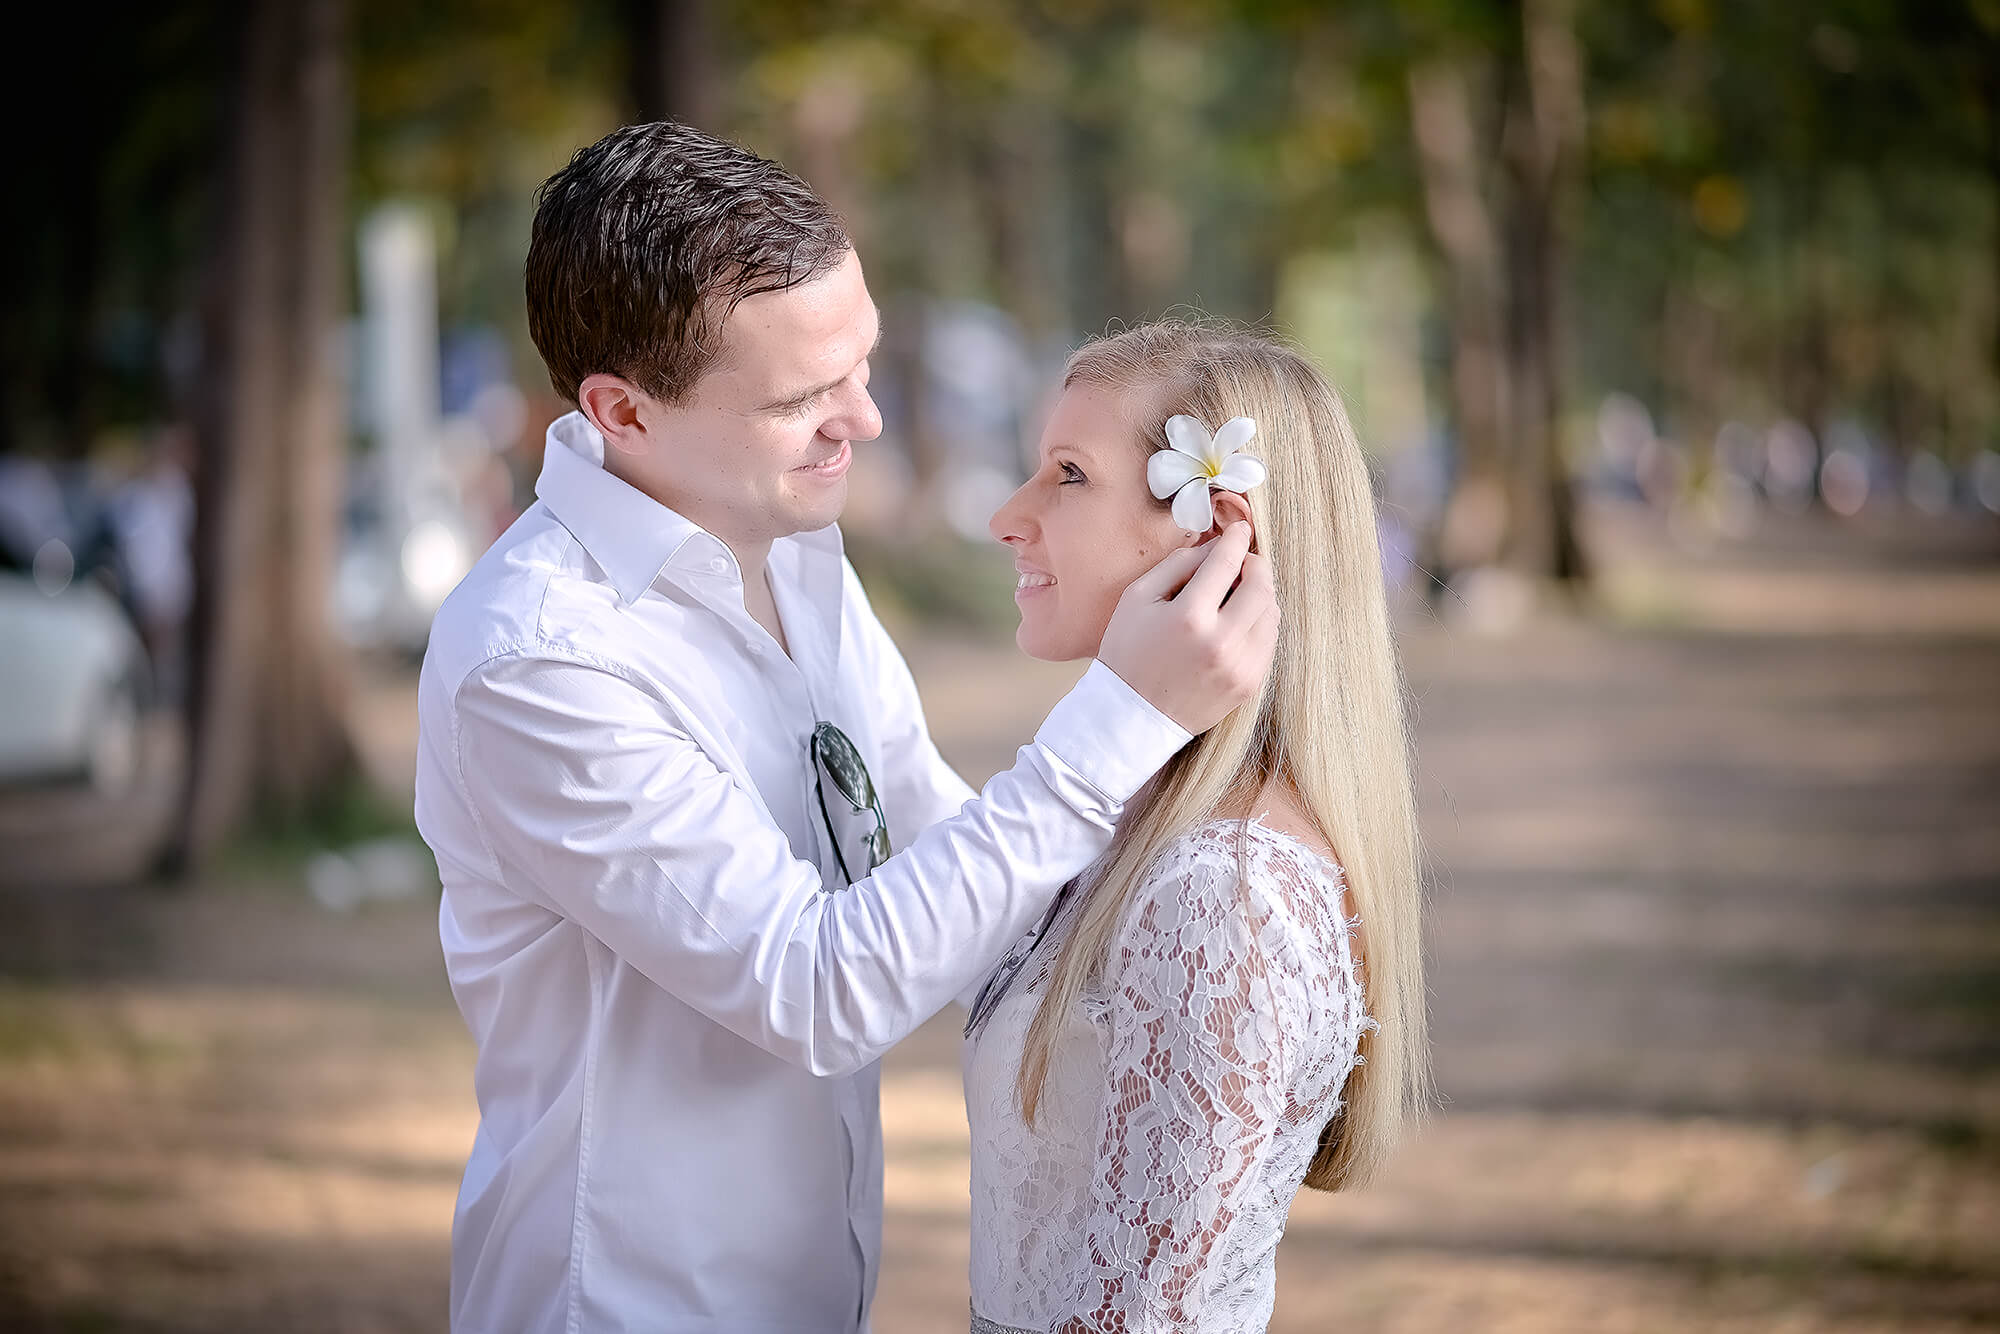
pixel 1716 997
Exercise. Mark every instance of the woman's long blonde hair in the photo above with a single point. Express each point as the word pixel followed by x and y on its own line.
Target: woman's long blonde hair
pixel 1329 720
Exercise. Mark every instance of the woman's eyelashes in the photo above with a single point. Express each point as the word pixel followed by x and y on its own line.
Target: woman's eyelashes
pixel 1070 473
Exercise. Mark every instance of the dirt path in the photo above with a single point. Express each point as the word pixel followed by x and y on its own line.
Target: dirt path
pixel 1716 980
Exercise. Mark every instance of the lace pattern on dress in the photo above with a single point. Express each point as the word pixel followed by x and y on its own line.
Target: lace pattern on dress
pixel 1183 1105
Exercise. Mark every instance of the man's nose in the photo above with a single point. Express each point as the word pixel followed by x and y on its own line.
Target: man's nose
pixel 862 420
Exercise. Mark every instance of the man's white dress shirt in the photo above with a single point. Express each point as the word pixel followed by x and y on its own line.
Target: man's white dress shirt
pixel 678 1007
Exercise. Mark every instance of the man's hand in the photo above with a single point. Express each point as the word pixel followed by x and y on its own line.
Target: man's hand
pixel 1191 647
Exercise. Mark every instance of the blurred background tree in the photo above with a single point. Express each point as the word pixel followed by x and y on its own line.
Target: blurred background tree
pixel 1715 254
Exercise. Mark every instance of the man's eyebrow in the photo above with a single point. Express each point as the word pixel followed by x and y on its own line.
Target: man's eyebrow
pixel 805 396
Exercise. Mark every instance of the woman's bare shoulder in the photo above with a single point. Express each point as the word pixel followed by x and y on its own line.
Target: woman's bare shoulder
pixel 1279 809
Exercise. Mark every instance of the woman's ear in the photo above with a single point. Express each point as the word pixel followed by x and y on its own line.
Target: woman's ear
pixel 1230 507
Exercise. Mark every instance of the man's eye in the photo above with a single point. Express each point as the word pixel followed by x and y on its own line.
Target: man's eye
pixel 1070 473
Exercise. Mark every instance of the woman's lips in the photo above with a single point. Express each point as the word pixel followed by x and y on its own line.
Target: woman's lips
pixel 1031 583
pixel 830 468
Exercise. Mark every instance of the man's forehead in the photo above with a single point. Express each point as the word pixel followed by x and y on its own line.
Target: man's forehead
pixel 804 328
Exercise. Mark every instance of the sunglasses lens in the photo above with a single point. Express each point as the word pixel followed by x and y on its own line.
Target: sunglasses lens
pixel 843 765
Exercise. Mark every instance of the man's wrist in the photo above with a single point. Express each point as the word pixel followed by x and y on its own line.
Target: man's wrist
pixel 1110 734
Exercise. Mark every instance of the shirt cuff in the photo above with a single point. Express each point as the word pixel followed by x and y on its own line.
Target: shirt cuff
pixel 1107 732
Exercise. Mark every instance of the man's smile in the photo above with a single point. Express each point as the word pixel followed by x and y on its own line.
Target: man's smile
pixel 834 465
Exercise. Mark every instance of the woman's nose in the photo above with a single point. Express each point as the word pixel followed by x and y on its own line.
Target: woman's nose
pixel 1009 522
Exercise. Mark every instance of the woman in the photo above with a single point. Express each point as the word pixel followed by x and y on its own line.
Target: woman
pixel 1230 1002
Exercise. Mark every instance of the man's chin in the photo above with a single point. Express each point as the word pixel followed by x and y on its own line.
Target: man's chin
pixel 814 512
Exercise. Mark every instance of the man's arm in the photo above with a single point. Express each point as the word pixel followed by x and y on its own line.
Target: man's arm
pixel 594 804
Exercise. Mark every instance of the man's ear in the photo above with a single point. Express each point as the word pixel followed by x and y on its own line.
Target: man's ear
pixel 1230 507
pixel 612 404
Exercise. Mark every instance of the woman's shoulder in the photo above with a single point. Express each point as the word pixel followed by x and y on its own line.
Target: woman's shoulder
pixel 1272 834
pixel 1237 897
pixel 1263 864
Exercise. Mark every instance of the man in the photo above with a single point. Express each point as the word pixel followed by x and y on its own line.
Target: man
pixel 645 718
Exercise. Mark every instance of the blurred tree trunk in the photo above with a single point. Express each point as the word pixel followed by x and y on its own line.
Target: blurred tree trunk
pixel 72 389
pixel 1499 235
pixel 936 191
pixel 1542 135
pixel 1100 280
pixel 1449 163
pixel 1812 373
pixel 267 691
pixel 673 62
pixel 1013 181
pixel 1990 86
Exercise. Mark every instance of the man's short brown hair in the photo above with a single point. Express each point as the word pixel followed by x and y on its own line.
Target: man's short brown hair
pixel 646 241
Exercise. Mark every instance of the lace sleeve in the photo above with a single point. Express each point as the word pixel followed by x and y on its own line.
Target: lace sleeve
pixel 1195 1090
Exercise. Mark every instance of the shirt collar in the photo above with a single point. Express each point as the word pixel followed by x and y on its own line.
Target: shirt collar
pixel 627 532
pixel 815 564
pixel 633 537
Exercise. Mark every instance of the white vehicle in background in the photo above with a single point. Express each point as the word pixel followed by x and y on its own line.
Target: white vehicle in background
pixel 74 680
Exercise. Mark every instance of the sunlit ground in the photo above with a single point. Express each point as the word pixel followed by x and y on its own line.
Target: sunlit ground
pixel 1716 986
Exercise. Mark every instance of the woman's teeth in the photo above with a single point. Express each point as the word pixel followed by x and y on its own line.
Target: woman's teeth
pixel 1034 581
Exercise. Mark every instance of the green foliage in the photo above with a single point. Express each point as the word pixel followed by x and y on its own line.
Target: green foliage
pixel 1783 209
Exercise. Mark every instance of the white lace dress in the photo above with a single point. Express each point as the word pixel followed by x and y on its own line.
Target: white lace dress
pixel 1184 1102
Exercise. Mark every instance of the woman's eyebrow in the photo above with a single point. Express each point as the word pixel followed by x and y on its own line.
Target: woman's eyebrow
pixel 1074 451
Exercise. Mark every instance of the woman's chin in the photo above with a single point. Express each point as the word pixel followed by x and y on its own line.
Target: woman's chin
pixel 1029 642
pixel 1043 646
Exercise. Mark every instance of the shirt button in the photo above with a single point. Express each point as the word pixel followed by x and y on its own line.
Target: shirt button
pixel 719 565
pixel 756 649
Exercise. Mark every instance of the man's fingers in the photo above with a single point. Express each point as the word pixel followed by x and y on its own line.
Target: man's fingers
pixel 1160 583
pixel 1265 631
pixel 1189 661
pixel 1255 595
pixel 1219 568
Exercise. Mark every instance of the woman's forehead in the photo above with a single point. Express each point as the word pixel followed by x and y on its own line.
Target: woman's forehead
pixel 1094 420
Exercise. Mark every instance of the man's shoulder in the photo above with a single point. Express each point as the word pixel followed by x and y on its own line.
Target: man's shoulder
pixel 534 593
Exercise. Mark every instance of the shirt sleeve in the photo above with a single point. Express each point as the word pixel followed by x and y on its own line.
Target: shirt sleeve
pixel 1194 1094
pixel 595 802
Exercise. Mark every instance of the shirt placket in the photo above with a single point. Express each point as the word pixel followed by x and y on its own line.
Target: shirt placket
pixel 784 680
pixel 813 667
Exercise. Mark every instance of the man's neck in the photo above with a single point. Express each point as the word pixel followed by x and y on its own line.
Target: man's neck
pixel 758 599
pixel 751 557
pixel 750 554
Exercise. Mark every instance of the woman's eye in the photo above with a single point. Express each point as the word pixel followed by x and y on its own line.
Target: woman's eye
pixel 1070 473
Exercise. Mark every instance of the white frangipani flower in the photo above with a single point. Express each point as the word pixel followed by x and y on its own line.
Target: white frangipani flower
pixel 1199 461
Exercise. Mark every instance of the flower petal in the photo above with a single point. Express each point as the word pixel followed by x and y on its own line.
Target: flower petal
pixel 1242 472
pixel 1168 470
pixel 1189 436
pixel 1235 433
pixel 1193 510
